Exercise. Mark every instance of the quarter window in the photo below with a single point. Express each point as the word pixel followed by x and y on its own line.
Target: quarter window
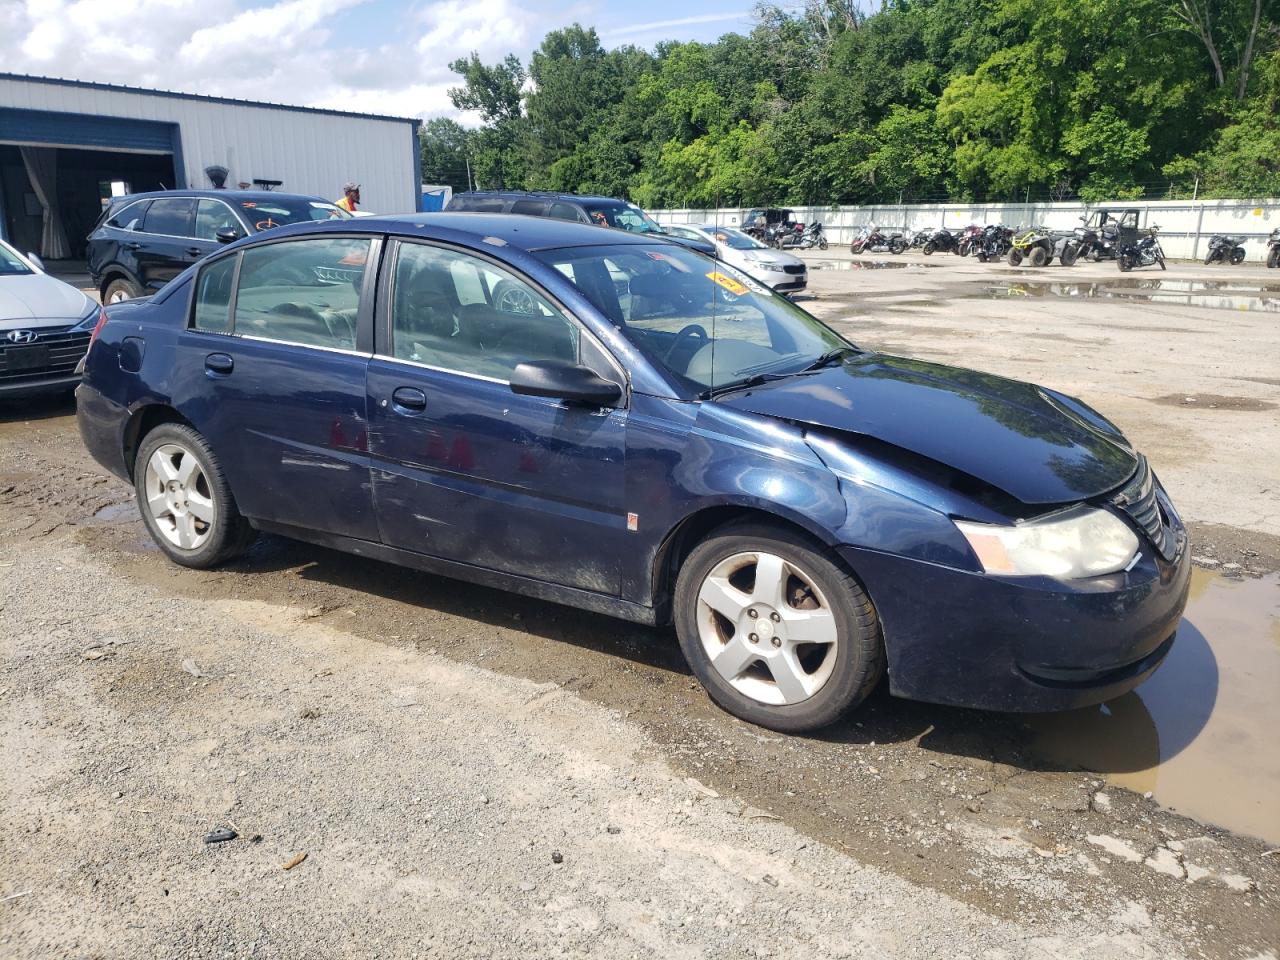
pixel 212 311
pixel 530 208
pixel 171 217
pixel 129 217
pixel 461 313
pixel 303 291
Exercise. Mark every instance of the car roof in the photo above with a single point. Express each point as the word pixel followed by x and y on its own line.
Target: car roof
pixel 257 195
pixel 529 234
pixel 543 195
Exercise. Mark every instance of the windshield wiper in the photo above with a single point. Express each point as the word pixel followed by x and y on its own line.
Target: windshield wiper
pixel 831 357
pixel 752 381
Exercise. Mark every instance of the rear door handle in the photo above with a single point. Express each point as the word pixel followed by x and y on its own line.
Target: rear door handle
pixel 133 245
pixel 409 399
pixel 219 364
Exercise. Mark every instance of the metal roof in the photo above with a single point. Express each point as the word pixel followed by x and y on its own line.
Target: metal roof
pixel 264 104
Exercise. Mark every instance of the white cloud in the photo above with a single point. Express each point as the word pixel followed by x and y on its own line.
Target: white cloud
pixel 656 25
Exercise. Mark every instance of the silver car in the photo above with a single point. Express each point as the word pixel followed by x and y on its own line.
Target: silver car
pixel 45 327
pixel 781 271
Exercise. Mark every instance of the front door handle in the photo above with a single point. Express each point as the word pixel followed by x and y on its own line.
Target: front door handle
pixel 219 364
pixel 409 399
pixel 194 251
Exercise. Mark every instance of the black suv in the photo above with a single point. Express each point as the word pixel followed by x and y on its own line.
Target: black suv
pixel 597 211
pixel 144 240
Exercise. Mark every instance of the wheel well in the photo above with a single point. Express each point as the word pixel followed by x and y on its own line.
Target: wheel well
pixel 142 423
pixel 109 276
pixel 692 531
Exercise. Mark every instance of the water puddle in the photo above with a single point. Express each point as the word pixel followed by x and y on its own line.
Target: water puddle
pixel 117 512
pixel 1200 735
pixel 1213 294
pixel 869 265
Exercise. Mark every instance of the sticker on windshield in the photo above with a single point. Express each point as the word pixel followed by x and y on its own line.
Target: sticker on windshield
pixel 726 281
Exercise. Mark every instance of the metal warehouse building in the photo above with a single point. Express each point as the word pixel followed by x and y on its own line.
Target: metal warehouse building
pixel 66 146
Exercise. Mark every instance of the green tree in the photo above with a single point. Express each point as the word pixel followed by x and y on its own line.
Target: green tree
pixel 444 144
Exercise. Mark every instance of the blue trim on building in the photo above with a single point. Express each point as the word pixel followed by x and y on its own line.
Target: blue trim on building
pixel 87 130
pixel 417 165
pixel 90 85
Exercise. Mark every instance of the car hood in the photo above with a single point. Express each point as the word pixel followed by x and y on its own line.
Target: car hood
pixel 1034 445
pixel 39 300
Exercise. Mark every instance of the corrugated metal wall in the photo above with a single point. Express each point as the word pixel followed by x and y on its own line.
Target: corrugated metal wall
pixel 312 152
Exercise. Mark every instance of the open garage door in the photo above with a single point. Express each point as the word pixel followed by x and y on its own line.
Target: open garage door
pixel 57 170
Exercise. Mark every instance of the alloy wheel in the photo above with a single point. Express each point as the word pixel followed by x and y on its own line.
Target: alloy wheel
pixel 178 497
pixel 766 628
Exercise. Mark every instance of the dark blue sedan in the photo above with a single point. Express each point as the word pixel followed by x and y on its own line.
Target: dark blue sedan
pixel 618 423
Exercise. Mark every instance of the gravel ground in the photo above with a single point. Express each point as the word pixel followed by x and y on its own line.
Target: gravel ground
pixel 430 746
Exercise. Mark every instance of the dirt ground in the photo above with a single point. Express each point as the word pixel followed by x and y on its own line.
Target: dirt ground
pixel 472 774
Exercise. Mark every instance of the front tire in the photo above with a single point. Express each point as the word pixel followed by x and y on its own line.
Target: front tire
pixel 1124 262
pixel 822 244
pixel 1273 258
pixel 776 631
pixel 1069 256
pixel 185 500
pixel 1015 257
pixel 1038 256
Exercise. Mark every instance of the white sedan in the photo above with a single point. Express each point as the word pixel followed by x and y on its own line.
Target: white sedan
pixel 782 272
pixel 45 326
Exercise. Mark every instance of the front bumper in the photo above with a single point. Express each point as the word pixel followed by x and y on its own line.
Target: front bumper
pixel 788 282
pixel 39 386
pixel 1024 644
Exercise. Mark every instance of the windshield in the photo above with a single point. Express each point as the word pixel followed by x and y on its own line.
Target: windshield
pixel 624 217
pixel 277 211
pixel 11 264
pixel 735 239
pixel 709 324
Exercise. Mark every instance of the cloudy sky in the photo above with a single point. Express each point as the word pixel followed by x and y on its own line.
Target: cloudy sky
pixel 377 56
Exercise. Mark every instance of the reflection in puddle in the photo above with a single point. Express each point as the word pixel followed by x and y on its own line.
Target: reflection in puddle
pixel 1200 734
pixel 869 265
pixel 1214 294
pixel 127 510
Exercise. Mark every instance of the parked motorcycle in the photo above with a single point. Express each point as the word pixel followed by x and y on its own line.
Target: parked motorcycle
pixel 1108 227
pixel 1273 248
pixel 872 240
pixel 1225 249
pixel 993 243
pixel 941 240
pixel 969 239
pixel 806 239
pixel 1142 251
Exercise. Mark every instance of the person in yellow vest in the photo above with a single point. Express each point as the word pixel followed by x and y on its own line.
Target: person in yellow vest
pixel 350 196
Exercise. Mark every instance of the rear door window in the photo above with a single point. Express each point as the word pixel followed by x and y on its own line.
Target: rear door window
pixel 303 291
pixel 171 217
pixel 530 208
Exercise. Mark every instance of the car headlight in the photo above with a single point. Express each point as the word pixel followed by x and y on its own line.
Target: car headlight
pixel 89 317
pixel 1078 542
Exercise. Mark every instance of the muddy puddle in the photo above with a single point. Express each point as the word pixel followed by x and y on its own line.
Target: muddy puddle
pixel 1211 294
pixel 869 265
pixel 1200 735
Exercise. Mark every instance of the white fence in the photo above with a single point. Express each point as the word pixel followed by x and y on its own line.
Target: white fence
pixel 1185 225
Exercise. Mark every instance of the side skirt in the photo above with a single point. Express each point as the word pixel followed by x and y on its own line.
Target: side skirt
pixel 569 596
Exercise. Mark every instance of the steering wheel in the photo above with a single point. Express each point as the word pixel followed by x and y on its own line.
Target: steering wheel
pixel 689 332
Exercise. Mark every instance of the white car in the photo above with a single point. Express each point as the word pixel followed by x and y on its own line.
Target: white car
pixel 45 327
pixel 782 272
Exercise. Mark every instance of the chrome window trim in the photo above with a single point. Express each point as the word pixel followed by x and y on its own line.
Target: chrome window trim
pixel 454 373
pixel 293 343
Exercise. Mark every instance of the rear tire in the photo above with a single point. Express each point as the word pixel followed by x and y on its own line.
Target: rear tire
pixel 897 246
pixel 1237 256
pixel 776 680
pixel 1069 256
pixel 1273 258
pixel 119 290
pixel 185 500
pixel 1124 262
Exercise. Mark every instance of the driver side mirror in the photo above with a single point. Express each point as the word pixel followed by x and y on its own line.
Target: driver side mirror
pixel 563 380
pixel 227 235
